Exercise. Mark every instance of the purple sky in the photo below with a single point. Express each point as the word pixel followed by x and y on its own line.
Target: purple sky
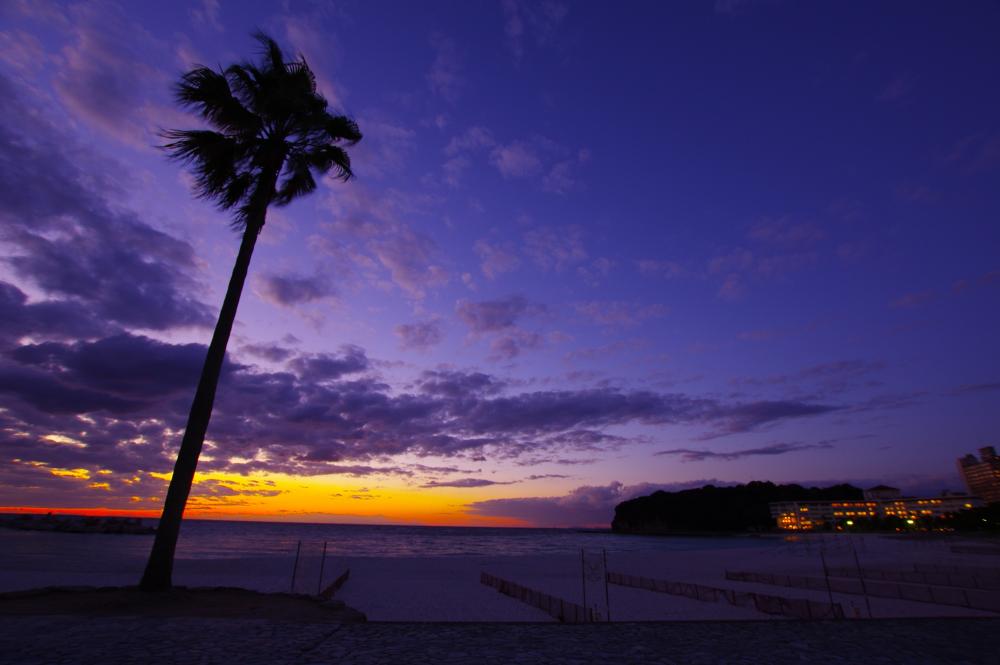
pixel 586 252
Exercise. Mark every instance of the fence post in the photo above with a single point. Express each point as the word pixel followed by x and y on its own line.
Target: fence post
pixel 607 598
pixel 583 577
pixel 322 565
pixel 826 576
pixel 295 568
pixel 864 588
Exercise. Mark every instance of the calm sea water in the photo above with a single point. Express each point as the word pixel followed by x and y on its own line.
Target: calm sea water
pixel 203 539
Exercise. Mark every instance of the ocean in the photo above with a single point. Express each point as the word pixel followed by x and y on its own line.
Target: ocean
pixel 211 539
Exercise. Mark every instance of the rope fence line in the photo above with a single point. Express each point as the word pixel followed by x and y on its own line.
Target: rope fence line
pixel 559 609
pixel 975 549
pixel 922 593
pixel 992 573
pixel 768 604
pixel 932 578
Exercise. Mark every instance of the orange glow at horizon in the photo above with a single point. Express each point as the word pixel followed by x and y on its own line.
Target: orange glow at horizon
pixel 279 497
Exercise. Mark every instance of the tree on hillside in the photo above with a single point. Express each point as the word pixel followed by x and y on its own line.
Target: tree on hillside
pixel 271 133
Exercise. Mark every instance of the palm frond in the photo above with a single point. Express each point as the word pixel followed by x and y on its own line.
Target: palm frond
pixel 298 181
pixel 216 160
pixel 208 92
pixel 273 57
pixel 342 128
pixel 272 126
pixel 246 80
pixel 327 157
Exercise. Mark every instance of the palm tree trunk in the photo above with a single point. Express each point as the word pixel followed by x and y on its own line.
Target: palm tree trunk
pixel 159 568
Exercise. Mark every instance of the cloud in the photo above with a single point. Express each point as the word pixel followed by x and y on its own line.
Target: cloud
pixel 976 388
pixel 516 160
pixel 823 379
pixel 990 278
pixel 272 352
pixel 618 313
pixel 409 257
pixel 898 88
pixel 311 36
pixel 540 19
pixel 915 299
pixel 598 269
pixel 453 169
pixel 750 416
pixel 553 248
pixel 467 482
pixel 495 315
pixel 367 232
pixel 103 78
pixel 49 319
pixel 474 138
pixel 22 52
pixel 561 177
pixel 732 287
pixel 512 343
pixel 456 384
pixel 420 335
pixel 328 367
pixel 125 398
pixel 65 236
pixel 444 76
pixel 689 455
pixel 498 320
pixel 778 247
pixel 206 14
pixel 659 268
pixel 976 153
pixel 290 290
pixel 787 233
pixel 585 506
pixel 385 149
pixel 496 259
pixel 513 27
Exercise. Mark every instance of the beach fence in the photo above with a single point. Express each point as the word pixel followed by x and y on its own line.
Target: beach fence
pixel 312 572
pixel 935 578
pixel 594 581
pixel 796 608
pixel 976 549
pixel 922 593
pixel 990 573
pixel 558 608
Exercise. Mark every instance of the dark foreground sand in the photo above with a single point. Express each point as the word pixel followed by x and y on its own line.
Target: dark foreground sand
pixel 179 602
pixel 58 640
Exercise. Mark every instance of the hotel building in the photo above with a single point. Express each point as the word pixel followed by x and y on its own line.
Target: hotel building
pixel 878 503
pixel 982 476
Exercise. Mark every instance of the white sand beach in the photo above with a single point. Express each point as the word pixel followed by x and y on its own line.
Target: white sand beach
pixel 448 588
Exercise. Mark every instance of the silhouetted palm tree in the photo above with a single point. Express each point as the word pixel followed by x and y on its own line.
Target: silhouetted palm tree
pixel 272 132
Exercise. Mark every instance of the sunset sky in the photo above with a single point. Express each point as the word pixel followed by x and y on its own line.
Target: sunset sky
pixel 592 249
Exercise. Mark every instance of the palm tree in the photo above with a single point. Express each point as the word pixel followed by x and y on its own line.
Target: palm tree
pixel 271 132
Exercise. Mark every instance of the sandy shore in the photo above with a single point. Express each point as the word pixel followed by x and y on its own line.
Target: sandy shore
pixel 140 641
pixel 218 603
pixel 449 588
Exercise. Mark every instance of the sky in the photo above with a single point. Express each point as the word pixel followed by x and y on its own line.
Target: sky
pixel 590 251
